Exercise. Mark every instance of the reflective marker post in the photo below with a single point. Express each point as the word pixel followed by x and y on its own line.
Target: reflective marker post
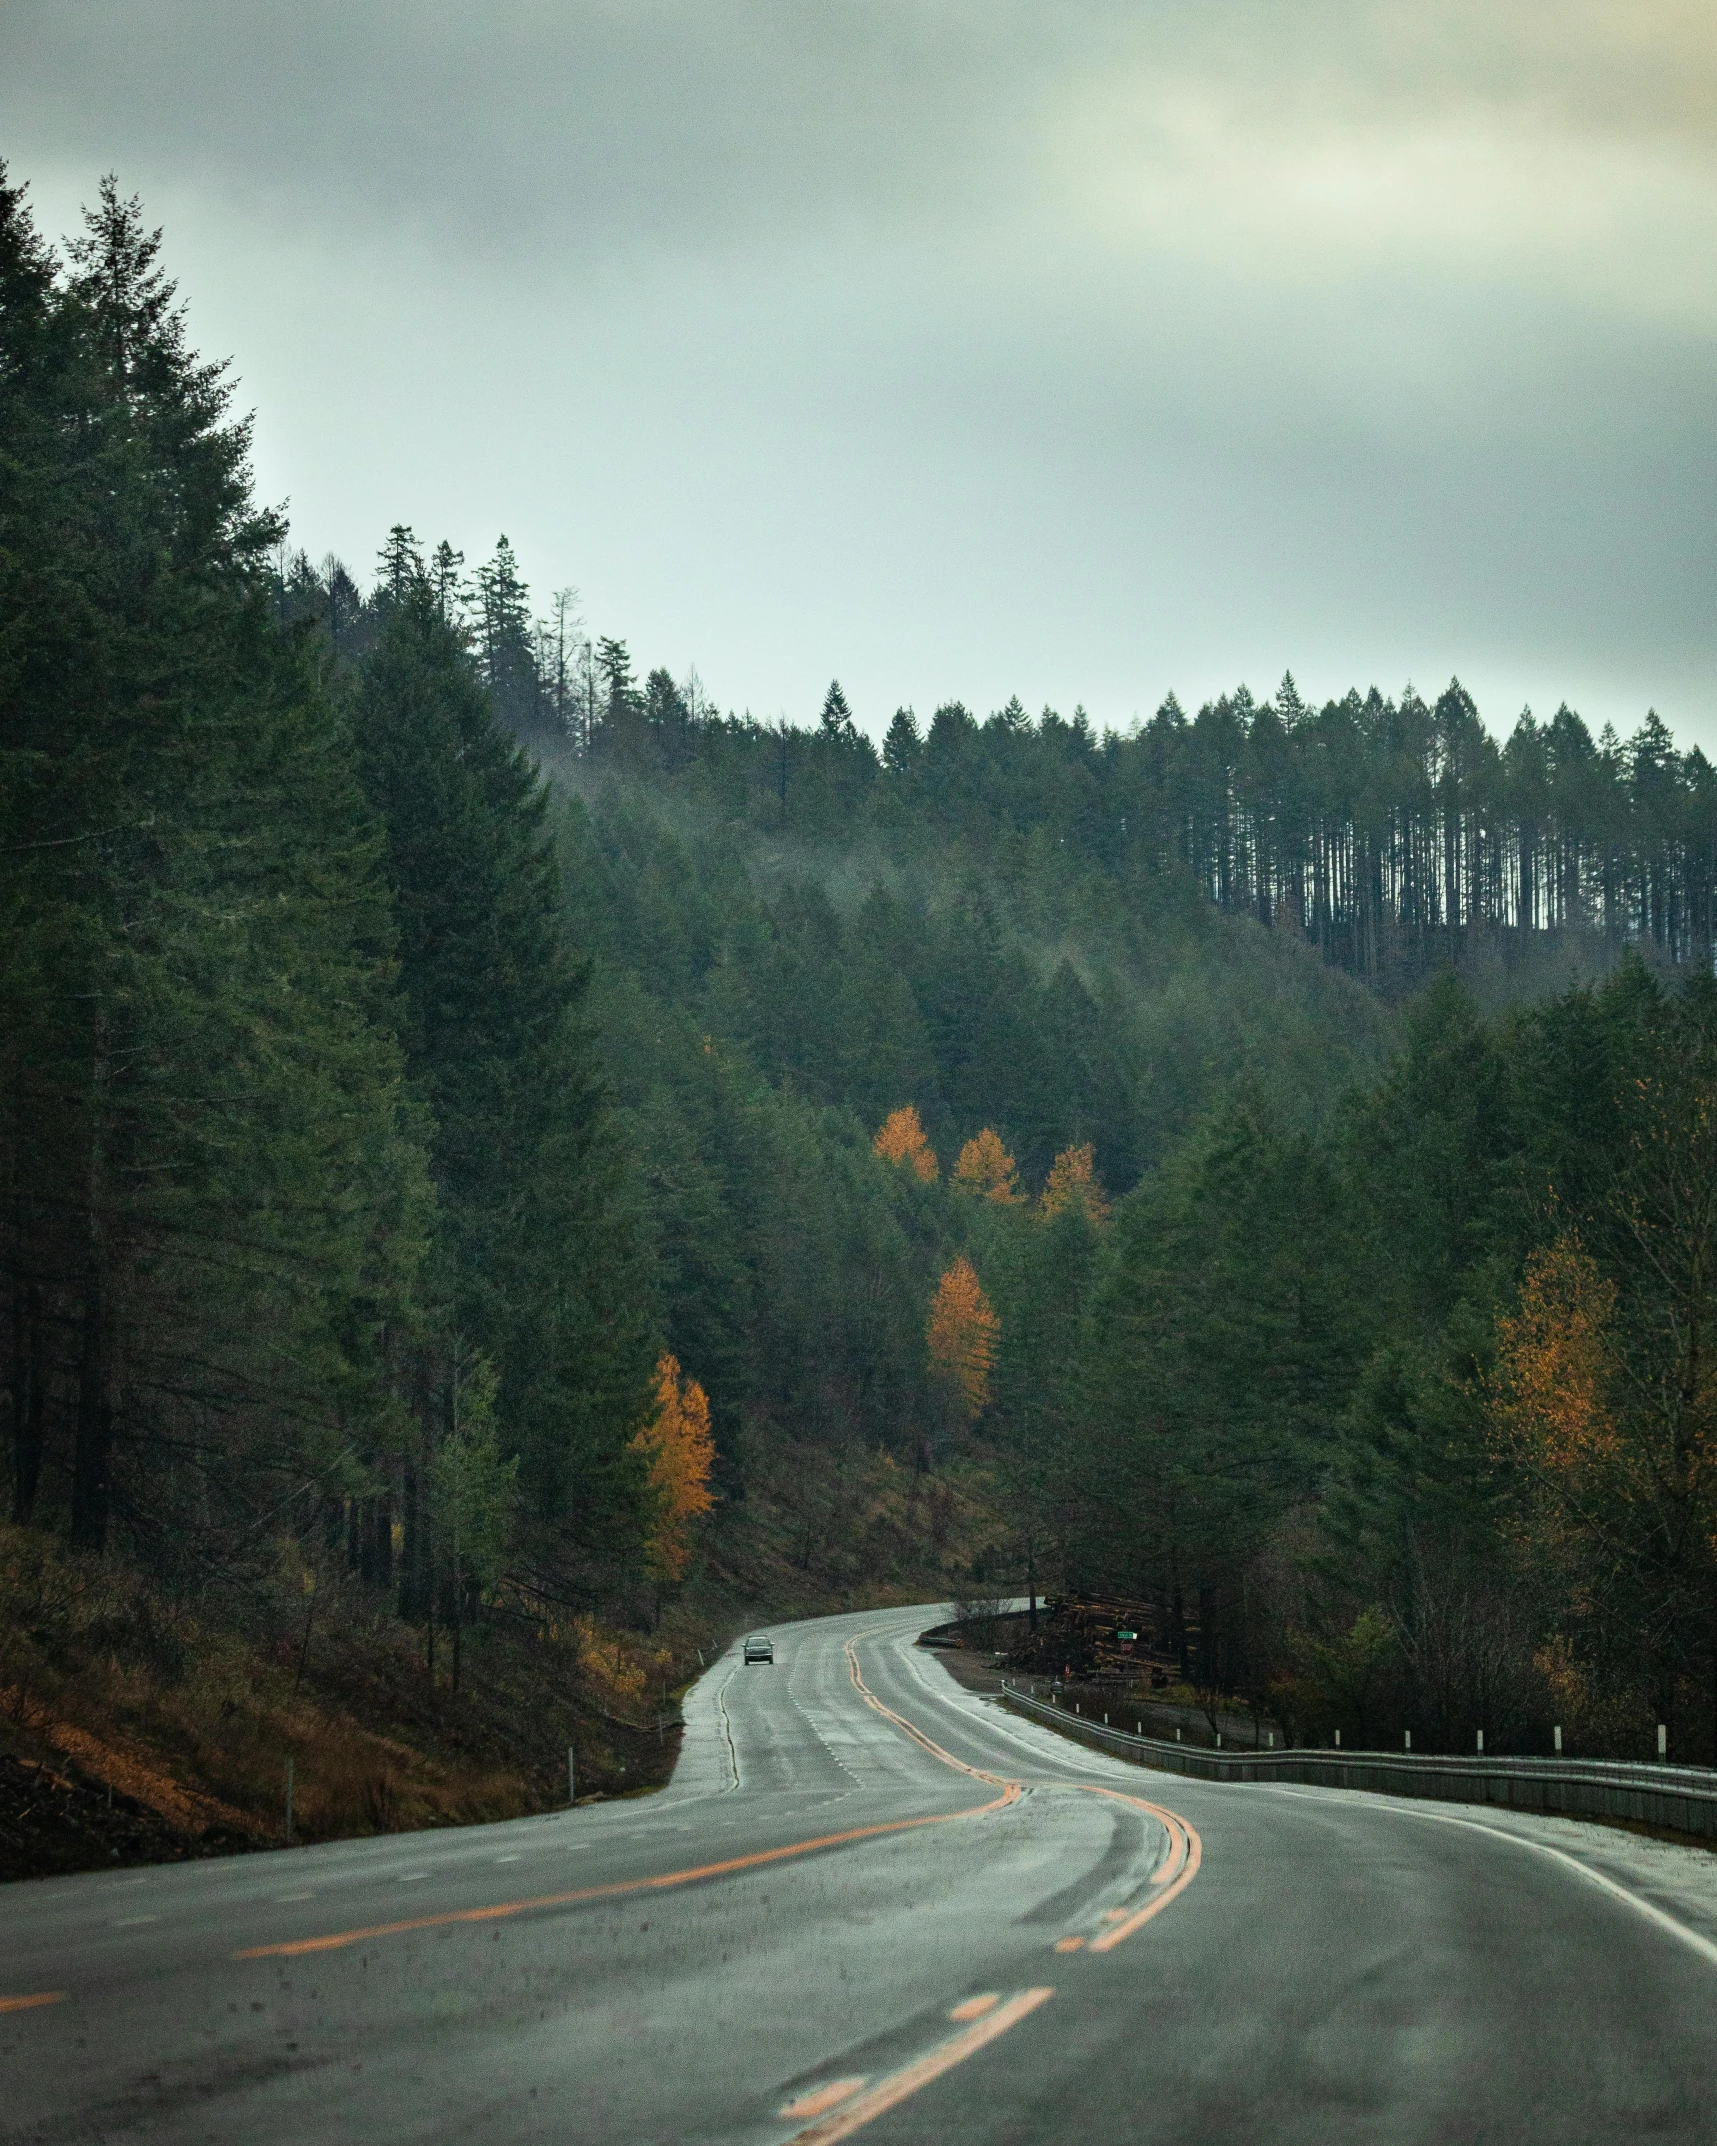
pixel 571 1777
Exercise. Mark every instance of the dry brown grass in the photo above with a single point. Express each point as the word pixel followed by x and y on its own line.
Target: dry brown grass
pixel 196 1723
pixel 192 1712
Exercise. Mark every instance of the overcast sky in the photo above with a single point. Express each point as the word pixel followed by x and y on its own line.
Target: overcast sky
pixel 1080 349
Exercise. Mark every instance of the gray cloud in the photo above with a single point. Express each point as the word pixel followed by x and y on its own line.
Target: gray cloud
pixel 956 347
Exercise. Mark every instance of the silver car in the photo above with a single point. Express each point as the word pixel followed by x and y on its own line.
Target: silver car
pixel 760 1648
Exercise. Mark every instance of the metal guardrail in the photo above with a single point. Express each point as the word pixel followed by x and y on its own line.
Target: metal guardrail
pixel 1681 1799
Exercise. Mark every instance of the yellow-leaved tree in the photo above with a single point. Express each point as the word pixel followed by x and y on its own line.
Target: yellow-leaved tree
pixel 986 1168
pixel 901 1140
pixel 1585 1506
pixel 1073 1178
pixel 1602 1404
pixel 681 1452
pixel 962 1341
pixel 1550 1393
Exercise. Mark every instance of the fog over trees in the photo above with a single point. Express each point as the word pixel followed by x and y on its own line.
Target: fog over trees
pixel 468 1100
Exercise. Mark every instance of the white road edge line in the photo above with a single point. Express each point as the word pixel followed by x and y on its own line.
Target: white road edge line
pixel 1706 1950
pixel 990 1716
pixel 727 1731
pixel 1704 1946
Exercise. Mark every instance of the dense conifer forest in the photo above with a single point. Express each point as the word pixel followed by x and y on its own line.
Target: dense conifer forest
pixel 479 1118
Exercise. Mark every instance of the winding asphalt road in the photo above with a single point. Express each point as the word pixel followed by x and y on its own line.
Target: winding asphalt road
pixel 873 1904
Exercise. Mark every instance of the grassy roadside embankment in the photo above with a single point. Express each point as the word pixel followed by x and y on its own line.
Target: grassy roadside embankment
pixel 138 1726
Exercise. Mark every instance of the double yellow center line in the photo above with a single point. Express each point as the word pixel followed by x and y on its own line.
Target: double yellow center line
pixel 498 1911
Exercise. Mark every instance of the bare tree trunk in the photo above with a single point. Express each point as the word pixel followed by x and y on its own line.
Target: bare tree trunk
pixel 29 1399
pixel 458 1606
pixel 414 1598
pixel 382 1539
pixel 411 1544
pixel 92 1449
pixel 92 1455
pixel 1713 1587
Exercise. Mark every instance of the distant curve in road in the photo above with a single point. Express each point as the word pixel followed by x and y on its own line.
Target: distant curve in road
pixel 868 1904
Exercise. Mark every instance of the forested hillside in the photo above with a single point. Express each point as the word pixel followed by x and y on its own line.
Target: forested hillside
pixel 510 1147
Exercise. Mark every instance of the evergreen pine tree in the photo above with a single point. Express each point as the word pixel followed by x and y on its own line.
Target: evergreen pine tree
pixel 668 720
pixel 507 652
pixel 401 563
pixel 537 1259
pixel 903 746
pixel 837 717
pixel 446 569
pixel 212 1191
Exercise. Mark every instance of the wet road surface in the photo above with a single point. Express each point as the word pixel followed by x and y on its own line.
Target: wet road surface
pixel 869 1904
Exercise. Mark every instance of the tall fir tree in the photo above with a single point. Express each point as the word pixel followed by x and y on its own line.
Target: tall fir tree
pixel 212 1189
pixel 538 1261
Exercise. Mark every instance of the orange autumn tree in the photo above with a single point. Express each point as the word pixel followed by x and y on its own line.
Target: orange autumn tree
pixel 680 1452
pixel 1549 1393
pixel 1582 1486
pixel 1602 1401
pixel 901 1140
pixel 962 1340
pixel 986 1168
pixel 1073 1178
